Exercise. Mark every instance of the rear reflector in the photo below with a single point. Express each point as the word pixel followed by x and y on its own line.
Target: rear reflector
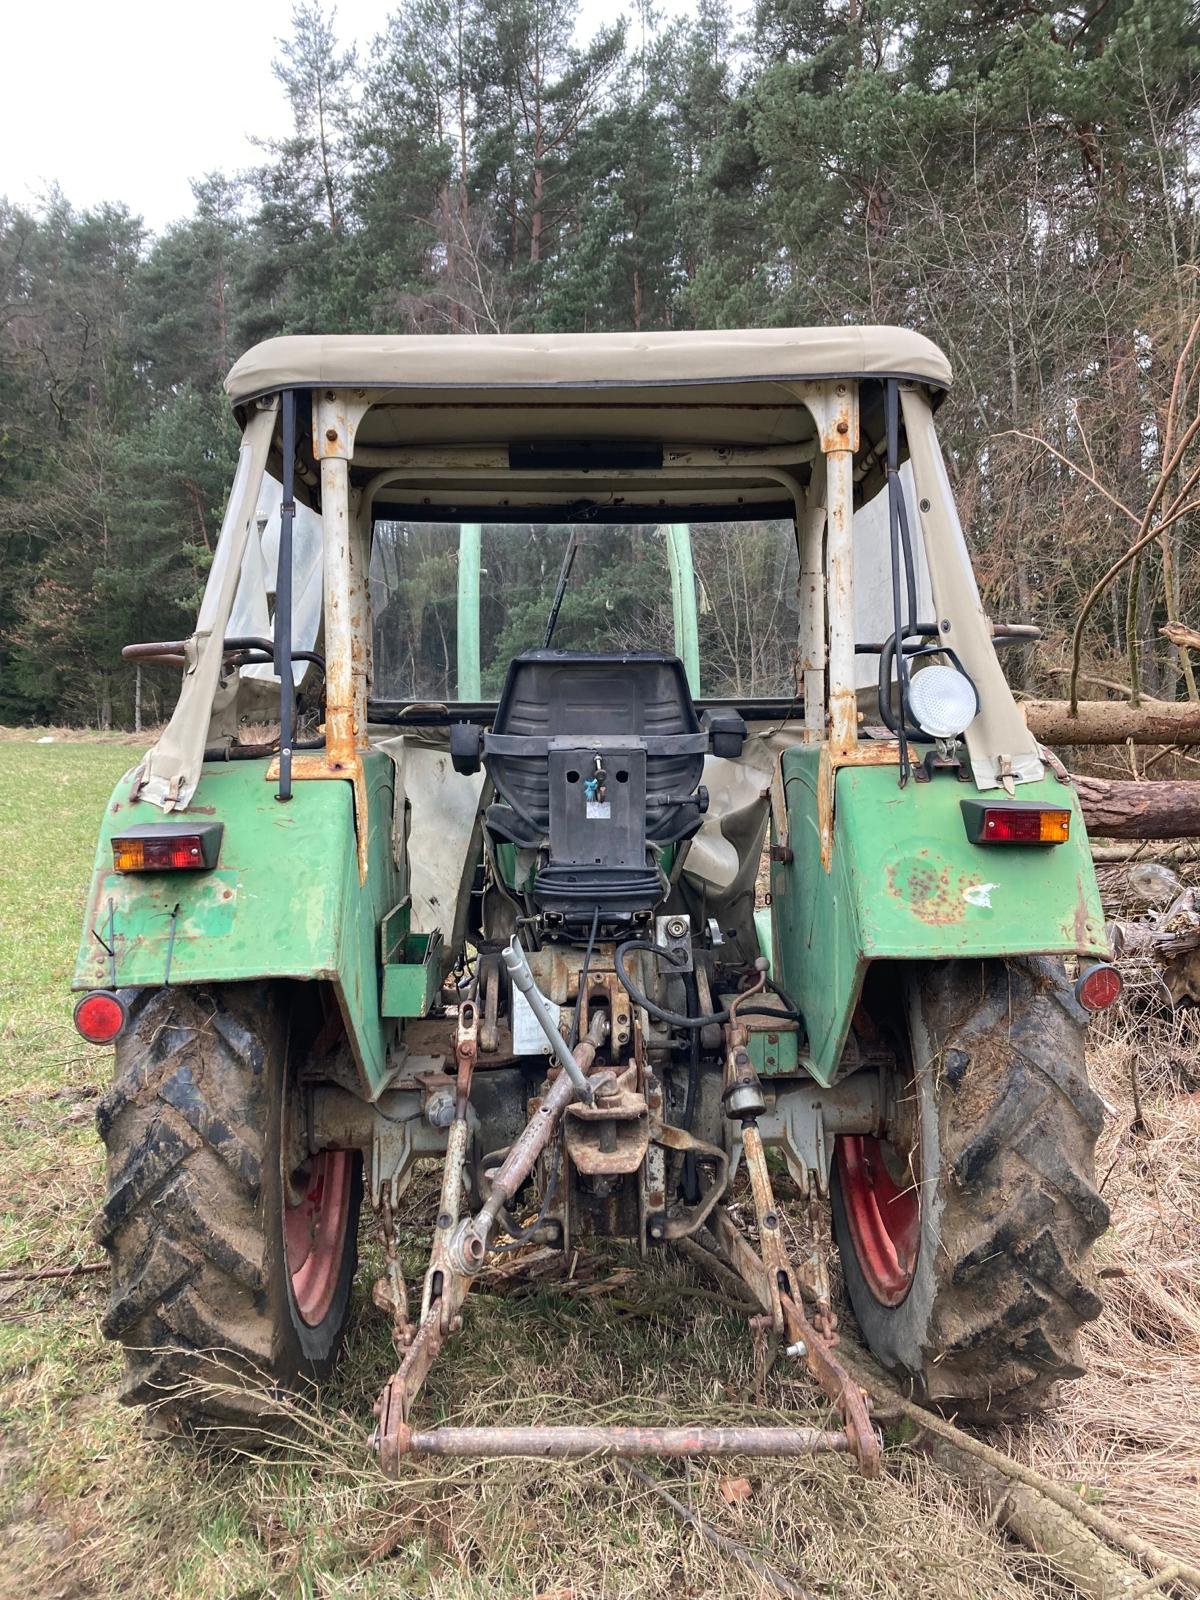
pixel 1098 987
pixel 167 847
pixel 101 1016
pixel 1015 822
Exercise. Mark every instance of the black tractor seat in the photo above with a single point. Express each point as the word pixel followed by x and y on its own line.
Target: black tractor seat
pixel 597 760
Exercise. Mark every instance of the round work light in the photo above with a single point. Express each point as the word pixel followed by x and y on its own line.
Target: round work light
pixel 942 701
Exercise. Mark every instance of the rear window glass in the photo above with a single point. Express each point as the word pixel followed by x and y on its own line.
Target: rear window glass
pixel 618 597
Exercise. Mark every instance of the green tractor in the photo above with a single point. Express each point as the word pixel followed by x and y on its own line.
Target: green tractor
pixel 523 660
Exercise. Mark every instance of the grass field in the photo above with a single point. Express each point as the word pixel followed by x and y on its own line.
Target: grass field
pixel 91 1504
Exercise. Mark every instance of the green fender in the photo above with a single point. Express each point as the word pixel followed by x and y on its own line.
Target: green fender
pixel 906 884
pixel 284 900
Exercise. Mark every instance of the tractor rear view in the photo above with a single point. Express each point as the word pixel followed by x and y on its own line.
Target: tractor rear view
pixel 487 894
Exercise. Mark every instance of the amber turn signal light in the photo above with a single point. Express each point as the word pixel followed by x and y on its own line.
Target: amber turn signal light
pixel 167 847
pixel 1015 822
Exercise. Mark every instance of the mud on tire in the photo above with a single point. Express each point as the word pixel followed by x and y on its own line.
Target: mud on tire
pixel 1005 1140
pixel 193 1221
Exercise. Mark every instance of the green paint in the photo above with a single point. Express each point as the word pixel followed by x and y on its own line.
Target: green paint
pixel 284 902
pixel 410 985
pixel 683 601
pixel 412 965
pixel 906 884
pixel 470 681
pixel 773 1054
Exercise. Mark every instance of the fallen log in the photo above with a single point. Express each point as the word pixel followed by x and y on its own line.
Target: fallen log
pixel 1110 855
pixel 1182 637
pixel 1113 721
pixel 1120 809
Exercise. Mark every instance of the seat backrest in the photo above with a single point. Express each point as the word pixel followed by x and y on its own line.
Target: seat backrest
pixel 602 700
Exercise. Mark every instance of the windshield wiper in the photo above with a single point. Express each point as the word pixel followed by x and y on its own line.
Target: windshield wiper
pixel 573 543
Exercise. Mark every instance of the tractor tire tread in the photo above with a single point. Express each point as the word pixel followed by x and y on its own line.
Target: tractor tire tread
pixel 1014 1317
pixel 996 1322
pixel 184 1124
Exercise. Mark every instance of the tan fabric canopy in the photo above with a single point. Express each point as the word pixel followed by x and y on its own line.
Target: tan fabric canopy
pixel 459 364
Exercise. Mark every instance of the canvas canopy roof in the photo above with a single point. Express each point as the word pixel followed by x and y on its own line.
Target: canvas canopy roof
pixel 453 413
pixel 556 361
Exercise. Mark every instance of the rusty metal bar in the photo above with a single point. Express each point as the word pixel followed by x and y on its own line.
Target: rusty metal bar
pixel 770 1239
pixel 567 1443
pixel 402 1387
pixel 468 1248
pixel 518 970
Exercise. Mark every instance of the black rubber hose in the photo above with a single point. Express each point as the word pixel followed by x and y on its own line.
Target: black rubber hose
pixel 693 1083
pixel 691 1178
pixel 792 1011
pixel 675 1018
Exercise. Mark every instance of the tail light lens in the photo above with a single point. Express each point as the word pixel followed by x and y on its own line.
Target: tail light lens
pixel 1015 822
pixel 168 847
pixel 1098 986
pixel 101 1016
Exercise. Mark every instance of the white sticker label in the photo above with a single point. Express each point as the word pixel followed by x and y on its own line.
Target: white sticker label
pixel 980 894
pixel 599 810
pixel 528 1038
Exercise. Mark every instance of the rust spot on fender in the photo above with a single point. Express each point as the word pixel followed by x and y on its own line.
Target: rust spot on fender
pixel 929 891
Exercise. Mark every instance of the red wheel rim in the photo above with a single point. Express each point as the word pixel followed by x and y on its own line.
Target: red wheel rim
pixel 315 1233
pixel 884 1215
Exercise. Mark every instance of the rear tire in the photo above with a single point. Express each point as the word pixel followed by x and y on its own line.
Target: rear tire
pixel 999 1156
pixel 202 1289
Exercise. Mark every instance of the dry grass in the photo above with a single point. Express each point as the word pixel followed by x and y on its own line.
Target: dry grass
pixel 91 1504
pixel 1130 1430
pixel 53 734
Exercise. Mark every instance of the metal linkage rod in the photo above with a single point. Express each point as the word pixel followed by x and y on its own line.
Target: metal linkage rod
pixel 518 966
pixel 566 1443
pixel 469 1245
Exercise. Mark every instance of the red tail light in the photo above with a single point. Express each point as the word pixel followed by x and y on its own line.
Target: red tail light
pixel 1098 987
pixel 1015 822
pixel 101 1016
pixel 167 847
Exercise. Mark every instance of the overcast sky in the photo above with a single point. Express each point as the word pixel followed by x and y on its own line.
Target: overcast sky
pixel 130 100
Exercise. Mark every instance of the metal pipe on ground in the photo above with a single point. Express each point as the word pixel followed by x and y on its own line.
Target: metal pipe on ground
pixel 569 1443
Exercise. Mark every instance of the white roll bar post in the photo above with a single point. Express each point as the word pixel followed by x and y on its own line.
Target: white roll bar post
pixel 810 513
pixel 839 546
pixel 336 416
pixel 834 409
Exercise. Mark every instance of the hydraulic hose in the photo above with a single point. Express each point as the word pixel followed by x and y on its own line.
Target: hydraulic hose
pixel 691 1178
pixel 675 1018
pixel 703 1019
pixel 583 978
